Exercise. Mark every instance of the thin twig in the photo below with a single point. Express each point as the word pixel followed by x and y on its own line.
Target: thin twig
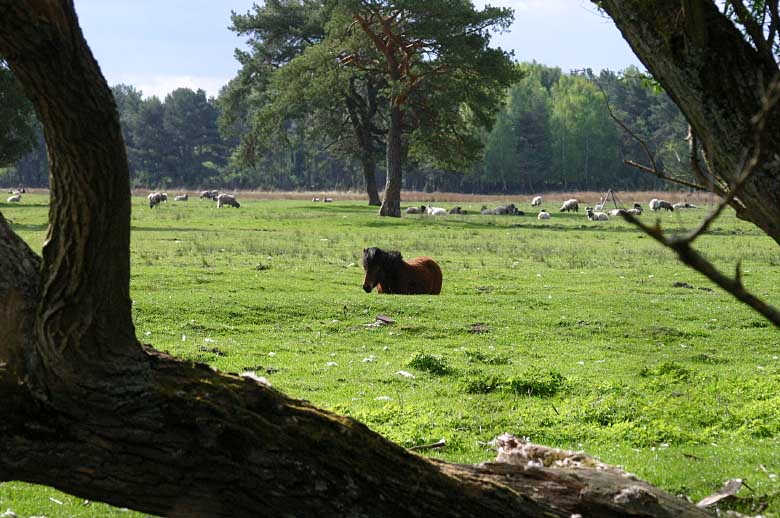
pixel 626 128
pixel 439 444
pixel 695 260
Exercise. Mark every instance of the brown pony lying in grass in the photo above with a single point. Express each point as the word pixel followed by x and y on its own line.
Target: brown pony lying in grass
pixel 389 273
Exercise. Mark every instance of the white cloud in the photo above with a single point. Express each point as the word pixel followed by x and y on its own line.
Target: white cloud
pixel 162 85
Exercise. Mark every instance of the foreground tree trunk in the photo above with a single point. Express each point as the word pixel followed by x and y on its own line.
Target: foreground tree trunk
pixel 88 410
pixel 391 205
pixel 718 80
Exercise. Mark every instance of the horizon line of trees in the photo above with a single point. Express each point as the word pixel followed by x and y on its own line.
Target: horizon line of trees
pixel 552 133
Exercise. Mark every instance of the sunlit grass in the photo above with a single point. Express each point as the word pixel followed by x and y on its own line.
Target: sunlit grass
pixel 566 331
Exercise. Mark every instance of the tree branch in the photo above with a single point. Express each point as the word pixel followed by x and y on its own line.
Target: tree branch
pixel 682 244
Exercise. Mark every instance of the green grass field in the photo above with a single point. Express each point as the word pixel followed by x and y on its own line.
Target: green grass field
pixel 567 331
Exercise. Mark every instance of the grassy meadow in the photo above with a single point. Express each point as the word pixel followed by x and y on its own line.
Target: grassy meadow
pixel 566 331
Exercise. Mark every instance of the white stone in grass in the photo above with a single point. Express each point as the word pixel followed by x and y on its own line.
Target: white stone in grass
pixel 148 333
pixel 272 354
pixel 183 338
pixel 369 359
pixel 383 398
pixel 406 374
pixel 208 340
pixel 331 364
pixel 8 514
pixel 386 348
pixel 350 265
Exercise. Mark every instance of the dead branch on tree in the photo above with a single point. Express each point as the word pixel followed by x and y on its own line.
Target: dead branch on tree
pixel 681 244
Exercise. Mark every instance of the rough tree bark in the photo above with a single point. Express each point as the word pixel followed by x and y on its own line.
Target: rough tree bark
pixel 362 110
pixel 391 204
pixel 717 79
pixel 89 410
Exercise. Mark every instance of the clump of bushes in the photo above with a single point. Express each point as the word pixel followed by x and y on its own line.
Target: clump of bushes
pixel 430 363
pixel 533 382
pixel 670 370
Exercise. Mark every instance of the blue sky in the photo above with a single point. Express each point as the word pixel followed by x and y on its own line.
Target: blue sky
pixel 160 45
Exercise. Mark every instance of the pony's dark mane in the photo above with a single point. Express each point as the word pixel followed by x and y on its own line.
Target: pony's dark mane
pixel 377 256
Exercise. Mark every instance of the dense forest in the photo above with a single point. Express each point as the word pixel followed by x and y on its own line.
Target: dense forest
pixel 553 132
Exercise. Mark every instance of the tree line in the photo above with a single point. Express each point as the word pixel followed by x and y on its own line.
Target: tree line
pixel 300 115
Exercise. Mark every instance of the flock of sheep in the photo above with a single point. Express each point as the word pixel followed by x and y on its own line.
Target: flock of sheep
pixel 16 195
pixel 155 198
pixel 596 213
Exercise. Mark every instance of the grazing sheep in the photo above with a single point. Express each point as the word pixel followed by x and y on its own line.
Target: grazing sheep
pixel 416 210
pixel 570 205
pixel 155 198
pixel 436 211
pixel 536 201
pixel 315 199
pixel 15 198
pixel 596 216
pixel 209 195
pixel 656 205
pixel 543 214
pixel 164 197
pixel 328 200
pixel 457 210
pixel 227 199
pixel 636 211
pixel 182 197
pixel 616 212
pixel 685 205
pixel 502 210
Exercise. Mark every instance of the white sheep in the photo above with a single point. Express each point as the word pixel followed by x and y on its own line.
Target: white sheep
pixel 209 195
pixel 656 205
pixel 327 200
pixel 457 210
pixel 227 199
pixel 15 198
pixel 536 201
pixel 182 197
pixel 596 216
pixel 155 198
pixel 615 212
pixel 599 206
pixel 436 211
pixel 636 211
pixel 570 204
pixel 543 214
pixel 416 210
pixel 685 205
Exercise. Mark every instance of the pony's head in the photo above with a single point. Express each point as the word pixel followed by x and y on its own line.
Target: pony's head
pixel 376 262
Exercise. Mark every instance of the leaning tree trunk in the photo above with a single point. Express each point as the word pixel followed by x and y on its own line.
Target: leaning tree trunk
pixel 391 205
pixel 88 410
pixel 717 79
